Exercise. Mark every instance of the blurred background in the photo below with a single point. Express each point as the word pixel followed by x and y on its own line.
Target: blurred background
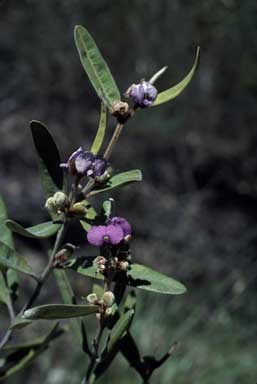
pixel 195 214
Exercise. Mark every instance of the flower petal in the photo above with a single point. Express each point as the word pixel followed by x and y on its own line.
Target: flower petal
pixel 96 234
pixel 114 233
pixel 123 223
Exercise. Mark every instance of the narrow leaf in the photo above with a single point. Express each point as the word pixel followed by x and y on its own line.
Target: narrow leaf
pixel 7 238
pixel 5 234
pixel 174 91
pixel 10 259
pixel 49 159
pixel 40 231
pixel 20 323
pixel 96 146
pixel 68 298
pixel 4 292
pixel 146 278
pixel 59 311
pixel 95 66
pixel 118 180
pixel 119 328
pixel 85 266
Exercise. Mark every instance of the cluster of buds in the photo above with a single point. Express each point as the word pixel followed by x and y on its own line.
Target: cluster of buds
pixel 116 230
pixel 115 264
pixel 84 163
pixel 105 303
pixel 142 94
pixel 57 203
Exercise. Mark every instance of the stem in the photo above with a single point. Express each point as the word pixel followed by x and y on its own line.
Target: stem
pixel 40 282
pixel 113 141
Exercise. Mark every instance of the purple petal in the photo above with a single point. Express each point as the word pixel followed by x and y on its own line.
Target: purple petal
pixel 96 235
pixel 83 162
pixel 99 166
pixel 123 223
pixel 114 233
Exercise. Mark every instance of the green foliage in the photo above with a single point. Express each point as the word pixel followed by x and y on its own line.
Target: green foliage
pixel 96 67
pixel 68 297
pixel 39 231
pixel 120 328
pixel 49 159
pixel 59 311
pixel 99 138
pixel 11 259
pixel 174 91
pixel 146 278
pixel 118 180
pixel 4 291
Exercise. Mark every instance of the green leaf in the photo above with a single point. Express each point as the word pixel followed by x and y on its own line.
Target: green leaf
pixel 5 234
pixel 174 91
pixel 40 231
pixel 49 159
pixel 130 301
pixel 98 290
pixel 118 180
pixel 146 278
pixel 99 138
pixel 86 267
pixel 4 291
pixel 7 238
pixel 120 328
pixel 10 259
pixel 96 67
pixel 68 298
pixel 23 354
pixel 59 311
pixel 13 283
pixel 20 323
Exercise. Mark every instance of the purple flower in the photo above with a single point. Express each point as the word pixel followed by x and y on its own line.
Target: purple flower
pixel 123 223
pixel 79 163
pixel 113 233
pixel 100 234
pixel 83 163
pixel 143 94
pixel 99 166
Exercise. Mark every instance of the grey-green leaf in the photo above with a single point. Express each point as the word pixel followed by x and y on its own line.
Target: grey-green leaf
pixel 120 328
pixel 118 180
pixel 86 267
pixel 96 67
pixel 20 323
pixel 146 278
pixel 59 311
pixel 174 91
pixel 40 231
pixel 4 291
pixel 10 259
pixel 68 298
pixel 49 159
pixel 5 234
pixel 99 138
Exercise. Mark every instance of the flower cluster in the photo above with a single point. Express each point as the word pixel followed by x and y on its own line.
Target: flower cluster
pixel 84 163
pixel 142 94
pixel 112 233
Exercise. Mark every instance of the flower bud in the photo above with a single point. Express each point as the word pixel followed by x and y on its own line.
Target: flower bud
pixel 79 163
pixel 60 200
pixel 123 265
pixel 78 209
pixel 142 94
pixel 50 206
pixel 92 298
pixel 108 298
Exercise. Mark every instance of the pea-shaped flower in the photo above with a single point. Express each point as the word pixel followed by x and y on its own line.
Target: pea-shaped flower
pixel 84 163
pixel 113 233
pixel 142 94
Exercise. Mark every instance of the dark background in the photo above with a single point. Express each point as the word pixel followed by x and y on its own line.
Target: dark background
pixel 195 215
